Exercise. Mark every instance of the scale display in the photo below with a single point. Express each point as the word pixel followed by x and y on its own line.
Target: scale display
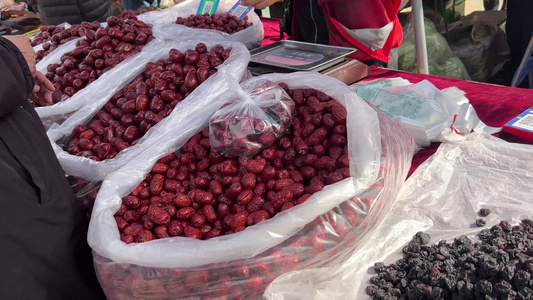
pixel 299 56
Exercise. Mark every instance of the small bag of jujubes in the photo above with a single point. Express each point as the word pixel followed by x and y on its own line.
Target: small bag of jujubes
pixel 254 117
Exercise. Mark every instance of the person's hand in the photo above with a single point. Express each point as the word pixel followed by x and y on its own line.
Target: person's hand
pixel 24 45
pixel 42 91
pixel 258 4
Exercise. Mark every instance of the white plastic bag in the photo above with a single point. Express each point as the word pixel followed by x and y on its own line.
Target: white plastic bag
pixel 380 155
pixel 165 27
pixel 252 119
pixel 429 114
pixel 443 196
pixel 102 90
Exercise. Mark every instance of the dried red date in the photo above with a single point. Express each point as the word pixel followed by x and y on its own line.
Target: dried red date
pixel 158 215
pixel 203 197
pixel 185 213
pixel 160 168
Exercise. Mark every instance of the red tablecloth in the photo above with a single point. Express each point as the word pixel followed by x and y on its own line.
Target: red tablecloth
pixel 495 105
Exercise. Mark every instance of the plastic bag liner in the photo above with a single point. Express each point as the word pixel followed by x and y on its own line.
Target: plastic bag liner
pixel 107 85
pixel 429 114
pixel 165 27
pixel 322 231
pixel 442 198
pixel 252 119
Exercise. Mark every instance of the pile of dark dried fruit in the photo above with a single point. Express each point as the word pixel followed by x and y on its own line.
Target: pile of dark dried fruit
pixel 482 213
pixel 499 266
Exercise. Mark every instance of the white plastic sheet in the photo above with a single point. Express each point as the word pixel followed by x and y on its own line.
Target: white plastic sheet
pixel 165 27
pixel 380 155
pixel 429 114
pixel 202 100
pixel 442 198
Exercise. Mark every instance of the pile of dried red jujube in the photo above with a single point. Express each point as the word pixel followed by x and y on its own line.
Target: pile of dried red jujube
pixel 145 101
pixel 222 22
pixel 201 194
pixel 99 52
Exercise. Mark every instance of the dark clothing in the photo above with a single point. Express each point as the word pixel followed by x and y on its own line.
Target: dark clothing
pixel 304 21
pixel 136 4
pixel 54 12
pixel 131 4
pixel 311 22
pixel 519 29
pixel 43 248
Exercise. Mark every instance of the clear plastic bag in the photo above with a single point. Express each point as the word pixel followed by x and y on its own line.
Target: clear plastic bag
pixel 379 84
pixel 251 120
pixel 203 99
pixel 443 196
pixel 429 114
pixel 322 231
pixel 165 27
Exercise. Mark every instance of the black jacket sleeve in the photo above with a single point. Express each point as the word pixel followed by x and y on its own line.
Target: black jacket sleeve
pixel 16 82
pixel 54 12
pixel 43 232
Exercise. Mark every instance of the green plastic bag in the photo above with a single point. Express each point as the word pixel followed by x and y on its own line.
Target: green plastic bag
pixel 441 60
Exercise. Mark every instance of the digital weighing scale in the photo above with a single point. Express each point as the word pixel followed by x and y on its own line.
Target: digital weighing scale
pixel 292 56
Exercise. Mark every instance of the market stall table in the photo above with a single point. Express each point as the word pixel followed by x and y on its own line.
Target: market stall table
pixel 495 105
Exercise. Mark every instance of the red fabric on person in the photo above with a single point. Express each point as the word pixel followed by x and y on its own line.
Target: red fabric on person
pixel 495 105
pixel 271 28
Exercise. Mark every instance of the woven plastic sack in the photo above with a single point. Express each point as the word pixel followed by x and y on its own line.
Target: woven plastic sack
pixel 443 196
pixel 102 90
pixel 322 231
pixel 165 27
pixel 252 119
